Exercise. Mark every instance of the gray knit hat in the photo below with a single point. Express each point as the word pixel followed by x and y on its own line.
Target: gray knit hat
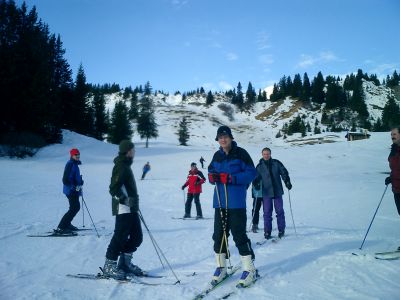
pixel 125 146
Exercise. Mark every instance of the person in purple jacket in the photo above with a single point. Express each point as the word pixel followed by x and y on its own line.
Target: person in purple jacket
pixel 72 188
pixel 231 171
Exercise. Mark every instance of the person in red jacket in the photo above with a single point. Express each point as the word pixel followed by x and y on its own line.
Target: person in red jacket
pixel 394 164
pixel 194 180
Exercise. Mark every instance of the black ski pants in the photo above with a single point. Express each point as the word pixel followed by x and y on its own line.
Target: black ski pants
pixel 74 207
pixel 397 201
pixel 257 202
pixel 128 235
pixel 236 224
pixel 188 204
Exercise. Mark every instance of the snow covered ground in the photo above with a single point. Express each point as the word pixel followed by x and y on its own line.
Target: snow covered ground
pixel 336 189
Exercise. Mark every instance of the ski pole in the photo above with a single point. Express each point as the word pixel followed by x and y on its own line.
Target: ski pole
pixel 291 212
pixel 84 202
pixel 156 245
pixel 224 237
pixel 83 214
pixel 362 244
pixel 153 242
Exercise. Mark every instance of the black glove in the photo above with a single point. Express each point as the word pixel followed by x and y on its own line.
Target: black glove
pixel 183 187
pixel 134 204
pixel 256 185
pixel 388 180
pixel 123 200
pixel 288 185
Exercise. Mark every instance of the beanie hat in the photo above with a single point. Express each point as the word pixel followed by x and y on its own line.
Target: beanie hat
pixel 224 130
pixel 125 146
pixel 193 164
pixel 74 151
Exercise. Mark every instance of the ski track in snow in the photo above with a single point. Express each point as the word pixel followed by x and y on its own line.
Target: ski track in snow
pixel 336 188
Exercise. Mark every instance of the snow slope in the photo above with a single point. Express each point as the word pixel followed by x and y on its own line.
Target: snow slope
pixel 336 189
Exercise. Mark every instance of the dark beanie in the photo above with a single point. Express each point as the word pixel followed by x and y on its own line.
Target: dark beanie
pixel 125 146
pixel 224 130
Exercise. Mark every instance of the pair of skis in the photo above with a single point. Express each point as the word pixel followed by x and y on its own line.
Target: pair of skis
pixel 212 287
pixel 388 255
pixel 54 233
pixel 130 279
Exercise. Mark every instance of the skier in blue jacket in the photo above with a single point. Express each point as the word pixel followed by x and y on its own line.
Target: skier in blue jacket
pixel 72 188
pixel 231 171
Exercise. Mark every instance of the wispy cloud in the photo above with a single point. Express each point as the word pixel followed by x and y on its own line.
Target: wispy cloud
pixel 322 57
pixel 266 59
pixel 223 85
pixel 179 3
pixel 232 56
pixel 262 41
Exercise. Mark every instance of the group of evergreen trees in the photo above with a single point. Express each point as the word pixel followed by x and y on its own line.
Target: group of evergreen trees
pixel 39 97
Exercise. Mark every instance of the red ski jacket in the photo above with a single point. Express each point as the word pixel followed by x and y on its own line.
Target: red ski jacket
pixel 194 180
pixel 394 164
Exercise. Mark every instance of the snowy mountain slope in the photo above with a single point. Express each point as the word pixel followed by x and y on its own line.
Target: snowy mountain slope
pixel 336 188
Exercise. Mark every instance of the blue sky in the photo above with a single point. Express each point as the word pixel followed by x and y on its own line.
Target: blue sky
pixel 184 44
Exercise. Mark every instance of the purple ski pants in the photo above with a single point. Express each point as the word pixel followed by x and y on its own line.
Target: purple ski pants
pixel 269 204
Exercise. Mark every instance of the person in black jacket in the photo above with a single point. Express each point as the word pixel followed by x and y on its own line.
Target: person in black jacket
pixel 128 235
pixel 270 171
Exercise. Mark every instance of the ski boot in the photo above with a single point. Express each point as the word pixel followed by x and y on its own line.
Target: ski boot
pixel 220 272
pixel 73 228
pixel 267 235
pixel 254 228
pixel 124 263
pixel 186 216
pixel 281 234
pixel 199 217
pixel 249 274
pixel 110 270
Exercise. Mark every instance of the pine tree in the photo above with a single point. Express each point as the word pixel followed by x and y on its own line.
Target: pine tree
pixel 147 126
pixel 297 87
pixel 120 127
pixel 238 97
pixel 183 132
pixel 250 95
pixel 317 89
pixel 306 90
pixel 390 114
pixel 133 109
pixel 210 98
pixel 82 117
pixel 100 116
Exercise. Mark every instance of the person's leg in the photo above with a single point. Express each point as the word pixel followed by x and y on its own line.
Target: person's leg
pixel 397 202
pixel 280 215
pixel 74 207
pixel 120 236
pixel 188 205
pixel 267 204
pixel 198 205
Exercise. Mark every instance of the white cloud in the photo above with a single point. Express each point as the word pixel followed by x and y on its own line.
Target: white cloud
pixel 179 3
pixel 262 41
pixel 322 57
pixel 225 85
pixel 266 59
pixel 232 56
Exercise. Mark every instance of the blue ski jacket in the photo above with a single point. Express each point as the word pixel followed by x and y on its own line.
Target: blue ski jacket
pixel 239 165
pixel 72 178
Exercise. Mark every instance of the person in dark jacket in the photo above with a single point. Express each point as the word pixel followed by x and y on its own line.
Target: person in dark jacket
pixel 194 180
pixel 256 194
pixel 128 235
pixel 72 188
pixel 231 171
pixel 394 164
pixel 202 161
pixel 270 171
